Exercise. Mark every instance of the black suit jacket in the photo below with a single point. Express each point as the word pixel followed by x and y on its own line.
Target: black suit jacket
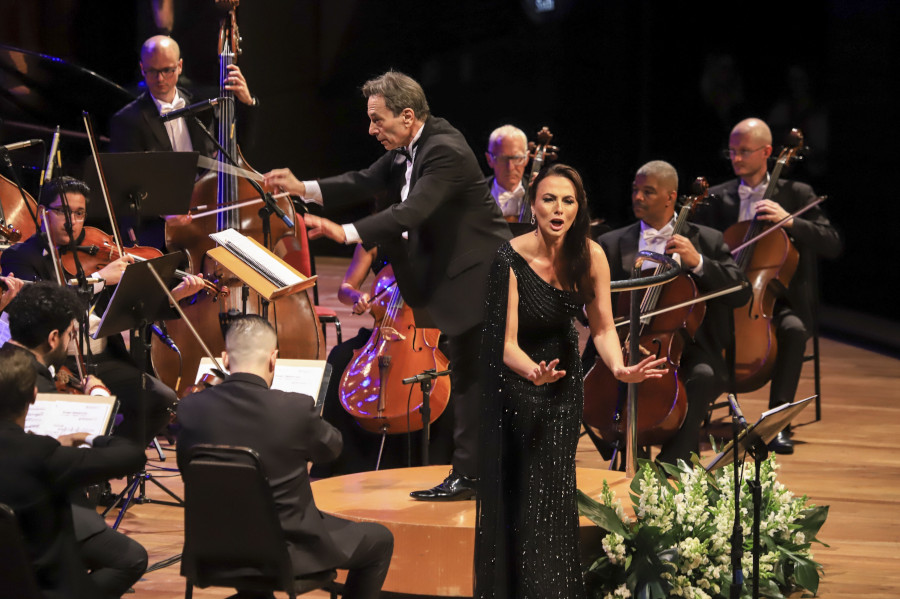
pixel 37 475
pixel 138 128
pixel 812 233
pixel 454 225
pixel 287 432
pixel 719 271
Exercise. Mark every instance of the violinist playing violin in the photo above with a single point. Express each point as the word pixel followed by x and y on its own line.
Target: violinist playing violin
pixel 749 148
pixel 30 260
pixel 705 257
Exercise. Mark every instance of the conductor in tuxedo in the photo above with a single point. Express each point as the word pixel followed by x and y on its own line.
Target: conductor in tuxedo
pixel 812 234
pixel 287 432
pixel 706 260
pixel 38 474
pixel 440 232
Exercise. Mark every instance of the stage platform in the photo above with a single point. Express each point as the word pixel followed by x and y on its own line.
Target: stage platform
pixel 433 541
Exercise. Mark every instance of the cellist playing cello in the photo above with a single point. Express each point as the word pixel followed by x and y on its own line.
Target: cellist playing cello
pixel 705 257
pixel 749 148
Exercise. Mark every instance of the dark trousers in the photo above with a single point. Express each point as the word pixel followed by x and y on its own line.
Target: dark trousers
pixel 791 335
pixel 702 385
pixel 368 566
pixel 114 560
pixel 465 398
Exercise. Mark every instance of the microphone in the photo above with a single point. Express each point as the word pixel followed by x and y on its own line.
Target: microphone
pixel 736 410
pixel 165 338
pixel 21 144
pixel 189 110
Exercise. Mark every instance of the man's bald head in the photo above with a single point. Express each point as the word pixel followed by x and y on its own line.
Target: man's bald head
pixel 754 130
pixel 160 44
pixel 161 66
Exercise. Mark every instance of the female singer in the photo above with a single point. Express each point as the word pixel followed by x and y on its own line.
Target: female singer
pixel 527 531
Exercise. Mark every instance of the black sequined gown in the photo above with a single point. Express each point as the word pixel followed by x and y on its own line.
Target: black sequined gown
pixel 527 534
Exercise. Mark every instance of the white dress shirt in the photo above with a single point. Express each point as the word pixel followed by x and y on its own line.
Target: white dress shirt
pixel 176 128
pixel 750 196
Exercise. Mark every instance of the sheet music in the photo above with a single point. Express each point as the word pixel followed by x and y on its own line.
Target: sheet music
pixel 55 414
pixel 261 260
pixel 298 376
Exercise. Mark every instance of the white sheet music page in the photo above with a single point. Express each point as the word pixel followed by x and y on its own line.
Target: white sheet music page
pixel 55 414
pixel 260 259
pixel 298 376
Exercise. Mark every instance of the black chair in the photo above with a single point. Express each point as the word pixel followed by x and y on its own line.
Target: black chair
pixel 16 576
pixel 814 333
pixel 232 535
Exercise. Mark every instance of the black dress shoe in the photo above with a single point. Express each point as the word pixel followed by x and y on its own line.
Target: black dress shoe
pixel 781 444
pixel 455 487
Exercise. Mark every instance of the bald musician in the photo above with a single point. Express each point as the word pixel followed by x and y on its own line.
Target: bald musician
pixel 749 148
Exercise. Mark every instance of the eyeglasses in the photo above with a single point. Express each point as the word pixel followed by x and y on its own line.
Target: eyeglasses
pixel 167 72
pixel 518 159
pixel 744 154
pixel 61 212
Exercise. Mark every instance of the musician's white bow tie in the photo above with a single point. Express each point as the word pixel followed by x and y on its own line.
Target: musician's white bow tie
pixel 652 236
pixel 165 107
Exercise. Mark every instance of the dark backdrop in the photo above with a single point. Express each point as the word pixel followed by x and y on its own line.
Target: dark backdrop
pixel 618 83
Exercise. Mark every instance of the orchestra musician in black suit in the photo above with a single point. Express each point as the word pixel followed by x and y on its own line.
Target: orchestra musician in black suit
pixel 38 475
pixel 42 320
pixel 287 432
pixel 812 234
pixel 706 260
pixel 439 232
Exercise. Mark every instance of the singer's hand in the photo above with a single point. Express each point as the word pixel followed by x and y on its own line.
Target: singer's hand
pixel 235 82
pixel 282 179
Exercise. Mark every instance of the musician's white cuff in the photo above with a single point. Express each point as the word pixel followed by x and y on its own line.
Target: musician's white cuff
pixel 698 270
pixel 351 234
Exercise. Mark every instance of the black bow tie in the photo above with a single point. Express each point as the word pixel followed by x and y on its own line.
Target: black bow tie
pixel 404 152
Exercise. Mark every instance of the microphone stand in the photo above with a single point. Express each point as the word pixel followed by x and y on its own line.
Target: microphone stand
pixel 425 383
pixel 737 532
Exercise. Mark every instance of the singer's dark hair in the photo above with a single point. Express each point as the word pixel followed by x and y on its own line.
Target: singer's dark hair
pixel 54 188
pixel 40 308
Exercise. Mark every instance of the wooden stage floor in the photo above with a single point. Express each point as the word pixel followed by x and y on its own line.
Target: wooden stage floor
pixel 848 460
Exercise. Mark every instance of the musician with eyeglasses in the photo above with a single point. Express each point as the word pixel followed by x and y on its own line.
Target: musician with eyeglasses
pixel 30 260
pixel 507 156
pixel 812 234
pixel 138 128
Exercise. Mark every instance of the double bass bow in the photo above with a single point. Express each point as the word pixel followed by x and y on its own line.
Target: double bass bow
pixel 662 402
pixel 293 316
pixel 769 263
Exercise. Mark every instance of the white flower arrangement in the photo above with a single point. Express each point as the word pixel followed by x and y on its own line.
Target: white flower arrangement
pixel 679 543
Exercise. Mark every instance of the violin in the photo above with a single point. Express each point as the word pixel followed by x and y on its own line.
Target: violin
pixel 770 264
pixel 662 402
pixel 372 389
pixel 67 382
pixel 96 249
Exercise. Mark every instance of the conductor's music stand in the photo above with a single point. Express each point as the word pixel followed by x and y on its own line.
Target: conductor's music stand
pixel 753 440
pixel 146 185
pixel 137 302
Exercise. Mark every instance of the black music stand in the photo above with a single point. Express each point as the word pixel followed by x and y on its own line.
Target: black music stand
pixel 145 185
pixel 753 440
pixel 137 302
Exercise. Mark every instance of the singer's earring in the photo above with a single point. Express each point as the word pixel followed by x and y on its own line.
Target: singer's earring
pixel 532 218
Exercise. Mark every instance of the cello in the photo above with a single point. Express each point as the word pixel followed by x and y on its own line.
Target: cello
pixel 372 389
pixel 662 402
pixel 770 264
pixel 293 316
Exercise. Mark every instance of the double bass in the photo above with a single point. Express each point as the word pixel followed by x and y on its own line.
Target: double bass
pixel 293 316
pixel 662 402
pixel 372 389
pixel 770 264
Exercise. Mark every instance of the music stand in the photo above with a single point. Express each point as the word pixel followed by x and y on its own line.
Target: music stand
pixel 146 185
pixel 136 302
pixel 753 440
